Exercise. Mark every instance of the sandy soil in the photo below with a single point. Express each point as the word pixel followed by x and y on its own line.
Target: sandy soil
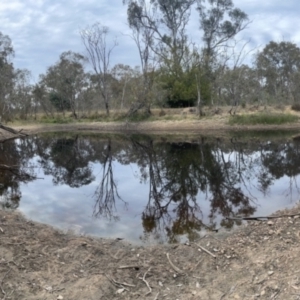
pixel 260 260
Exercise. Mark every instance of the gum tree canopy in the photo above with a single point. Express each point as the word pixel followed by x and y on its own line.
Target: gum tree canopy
pixel 173 47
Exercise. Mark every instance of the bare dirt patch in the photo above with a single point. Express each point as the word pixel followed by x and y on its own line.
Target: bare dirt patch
pixel 258 261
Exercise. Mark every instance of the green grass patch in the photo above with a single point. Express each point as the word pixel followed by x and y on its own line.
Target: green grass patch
pixel 56 120
pixel 263 119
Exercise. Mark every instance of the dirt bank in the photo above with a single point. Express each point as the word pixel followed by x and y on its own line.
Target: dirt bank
pixel 259 261
pixel 213 126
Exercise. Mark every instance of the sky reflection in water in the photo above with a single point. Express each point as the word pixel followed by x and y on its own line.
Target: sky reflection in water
pixel 153 189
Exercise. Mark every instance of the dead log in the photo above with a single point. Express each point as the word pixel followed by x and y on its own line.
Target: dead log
pixel 15 133
pixel 11 130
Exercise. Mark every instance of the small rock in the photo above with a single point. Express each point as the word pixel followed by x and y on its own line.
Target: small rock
pixel 270 273
pixel 120 291
pixel 270 223
pixel 48 289
pixel 60 297
pixel 263 292
pixel 194 293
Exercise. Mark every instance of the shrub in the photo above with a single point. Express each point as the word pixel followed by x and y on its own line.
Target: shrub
pixel 266 119
pixel 296 107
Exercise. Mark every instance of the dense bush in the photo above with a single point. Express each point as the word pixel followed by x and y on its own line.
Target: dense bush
pixel 296 107
pixel 267 119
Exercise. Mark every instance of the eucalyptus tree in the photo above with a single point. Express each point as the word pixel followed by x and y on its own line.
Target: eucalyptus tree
pixel 162 26
pixel 123 74
pixel 65 80
pixel 220 22
pixel 6 77
pixel 167 20
pixel 41 99
pixel 279 66
pixel 22 98
pixel 99 53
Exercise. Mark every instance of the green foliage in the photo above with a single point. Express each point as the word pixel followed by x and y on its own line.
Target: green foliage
pixel 220 22
pixel 278 64
pixel 181 87
pixel 60 103
pixel 56 120
pixel 138 117
pixel 265 119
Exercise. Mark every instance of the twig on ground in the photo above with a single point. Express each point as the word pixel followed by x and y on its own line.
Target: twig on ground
pixel 14 243
pixel 196 265
pixel 129 267
pixel 156 297
pixel 3 292
pixel 205 250
pixel 119 283
pixel 58 290
pixel 150 290
pixel 275 295
pixel 229 292
pixel 173 266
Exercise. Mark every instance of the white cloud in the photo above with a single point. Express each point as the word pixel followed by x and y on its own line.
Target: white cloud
pixel 42 29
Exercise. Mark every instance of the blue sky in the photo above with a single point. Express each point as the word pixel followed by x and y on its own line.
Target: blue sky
pixel 42 29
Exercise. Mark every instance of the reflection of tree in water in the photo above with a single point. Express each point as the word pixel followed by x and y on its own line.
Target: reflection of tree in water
pixel 181 176
pixel 178 174
pixel 67 160
pixel 282 159
pixel 106 193
pixel 14 169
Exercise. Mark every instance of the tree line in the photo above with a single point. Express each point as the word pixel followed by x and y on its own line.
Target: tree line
pixel 173 72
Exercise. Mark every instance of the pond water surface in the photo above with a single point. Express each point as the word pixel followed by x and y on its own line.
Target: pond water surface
pixel 148 189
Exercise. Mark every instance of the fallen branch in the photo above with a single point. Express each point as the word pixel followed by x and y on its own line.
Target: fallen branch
pixel 144 279
pixel 11 130
pixel 3 292
pixel 260 218
pixel 196 265
pixel 173 266
pixel 6 167
pixel 129 267
pixel 122 284
pixel 205 250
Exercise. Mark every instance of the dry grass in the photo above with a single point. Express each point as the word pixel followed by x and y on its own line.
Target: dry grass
pixel 217 114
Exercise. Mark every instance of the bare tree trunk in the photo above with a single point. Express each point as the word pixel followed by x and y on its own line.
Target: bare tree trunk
pixel 199 109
